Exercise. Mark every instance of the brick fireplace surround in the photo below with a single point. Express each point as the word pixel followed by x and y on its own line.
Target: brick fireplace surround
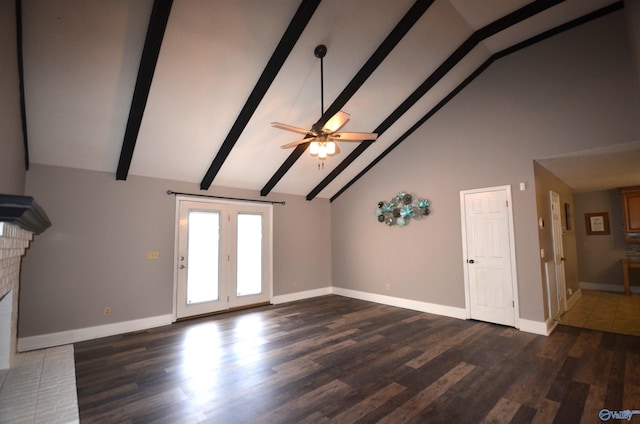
pixel 13 244
pixel 37 386
pixel 20 218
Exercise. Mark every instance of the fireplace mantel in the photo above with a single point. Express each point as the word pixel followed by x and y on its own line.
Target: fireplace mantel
pixel 20 218
pixel 24 212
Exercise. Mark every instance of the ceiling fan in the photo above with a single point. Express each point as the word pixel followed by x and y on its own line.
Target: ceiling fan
pixel 322 140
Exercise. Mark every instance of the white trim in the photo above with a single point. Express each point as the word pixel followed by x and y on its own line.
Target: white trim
pixel 512 241
pixel 574 299
pixel 558 244
pixel 89 333
pixel 308 294
pixel 537 327
pixel 615 288
pixel 174 307
pixel 415 305
pixel 432 308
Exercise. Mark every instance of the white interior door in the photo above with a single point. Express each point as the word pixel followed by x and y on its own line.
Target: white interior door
pixel 489 258
pixel 558 256
pixel 223 256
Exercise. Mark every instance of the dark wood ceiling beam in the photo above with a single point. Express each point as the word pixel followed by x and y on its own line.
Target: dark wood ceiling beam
pixel 150 52
pixel 287 42
pixel 394 37
pixel 505 52
pixel 469 44
pixel 23 107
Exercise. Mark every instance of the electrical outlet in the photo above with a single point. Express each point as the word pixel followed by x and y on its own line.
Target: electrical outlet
pixel 570 290
pixel 295 284
pixel 387 287
pixel 107 311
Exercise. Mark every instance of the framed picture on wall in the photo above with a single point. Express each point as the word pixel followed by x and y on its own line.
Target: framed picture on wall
pixel 597 223
pixel 567 215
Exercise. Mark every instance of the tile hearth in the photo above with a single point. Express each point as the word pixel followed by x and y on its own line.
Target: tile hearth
pixel 40 388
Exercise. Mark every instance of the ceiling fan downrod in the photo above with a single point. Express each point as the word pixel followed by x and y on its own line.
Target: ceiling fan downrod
pixel 320 52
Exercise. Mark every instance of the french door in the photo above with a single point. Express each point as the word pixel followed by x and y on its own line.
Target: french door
pixel 223 256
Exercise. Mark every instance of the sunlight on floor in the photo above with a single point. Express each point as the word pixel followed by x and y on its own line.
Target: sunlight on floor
pixel 205 345
pixel 604 311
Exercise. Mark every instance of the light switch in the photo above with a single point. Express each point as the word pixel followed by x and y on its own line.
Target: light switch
pixel 542 253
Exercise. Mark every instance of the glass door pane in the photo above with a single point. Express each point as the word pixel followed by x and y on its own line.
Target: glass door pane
pixel 202 254
pixel 249 254
pixel 203 250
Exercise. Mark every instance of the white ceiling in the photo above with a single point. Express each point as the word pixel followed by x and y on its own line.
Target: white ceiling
pixel 81 60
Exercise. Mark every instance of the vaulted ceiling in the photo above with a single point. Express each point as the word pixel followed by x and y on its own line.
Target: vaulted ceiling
pixel 186 89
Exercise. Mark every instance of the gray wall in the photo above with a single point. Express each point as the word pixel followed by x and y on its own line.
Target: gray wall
pixel 546 181
pixel 565 94
pixel 569 93
pixel 599 255
pixel 94 254
pixel 12 167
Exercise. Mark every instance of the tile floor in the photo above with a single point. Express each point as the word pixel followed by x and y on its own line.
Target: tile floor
pixel 40 388
pixel 605 311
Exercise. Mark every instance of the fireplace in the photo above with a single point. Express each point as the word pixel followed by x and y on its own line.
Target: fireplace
pixel 20 218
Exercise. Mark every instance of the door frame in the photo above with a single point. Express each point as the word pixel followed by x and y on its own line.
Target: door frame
pixel 176 224
pixel 557 232
pixel 512 251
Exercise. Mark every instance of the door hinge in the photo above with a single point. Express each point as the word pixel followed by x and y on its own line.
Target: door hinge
pixel 506 202
pixel 513 303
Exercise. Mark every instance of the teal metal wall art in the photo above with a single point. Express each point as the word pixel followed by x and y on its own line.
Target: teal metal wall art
pixel 401 209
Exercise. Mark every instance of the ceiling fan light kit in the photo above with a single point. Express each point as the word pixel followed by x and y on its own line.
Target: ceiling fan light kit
pixel 322 139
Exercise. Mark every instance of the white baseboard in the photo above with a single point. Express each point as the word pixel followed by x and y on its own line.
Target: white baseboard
pixel 432 308
pixel 614 288
pixel 308 294
pixel 89 333
pixel 574 298
pixel 537 327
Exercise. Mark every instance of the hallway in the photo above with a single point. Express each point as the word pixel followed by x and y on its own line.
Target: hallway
pixel 605 311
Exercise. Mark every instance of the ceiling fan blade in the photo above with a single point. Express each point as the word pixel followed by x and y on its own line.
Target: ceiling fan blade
pixel 295 143
pixel 354 136
pixel 336 122
pixel 292 128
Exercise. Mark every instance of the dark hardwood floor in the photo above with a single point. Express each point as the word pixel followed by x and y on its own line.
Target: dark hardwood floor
pixel 340 360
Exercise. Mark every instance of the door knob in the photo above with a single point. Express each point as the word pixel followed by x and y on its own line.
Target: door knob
pixel 182 267
pixel 471 261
